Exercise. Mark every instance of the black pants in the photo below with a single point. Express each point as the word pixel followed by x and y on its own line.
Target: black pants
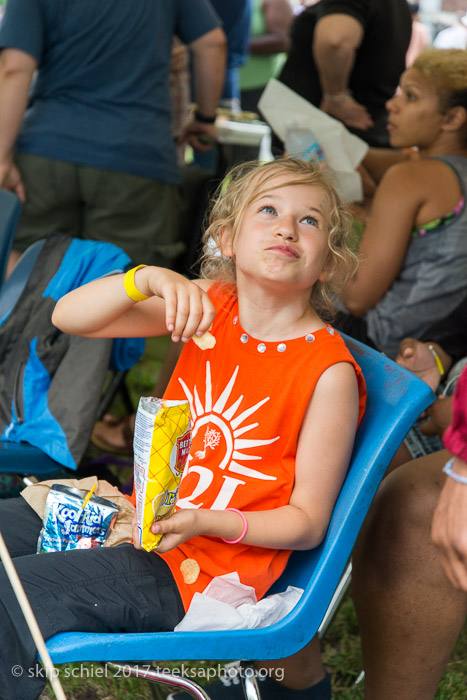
pixel 110 589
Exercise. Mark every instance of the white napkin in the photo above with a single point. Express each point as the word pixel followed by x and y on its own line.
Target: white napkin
pixel 282 108
pixel 227 604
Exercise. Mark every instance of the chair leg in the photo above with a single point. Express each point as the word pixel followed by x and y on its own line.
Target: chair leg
pixel 165 677
pixel 336 600
pixel 249 682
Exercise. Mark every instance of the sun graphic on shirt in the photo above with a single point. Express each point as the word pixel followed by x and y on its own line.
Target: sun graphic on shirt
pixel 223 425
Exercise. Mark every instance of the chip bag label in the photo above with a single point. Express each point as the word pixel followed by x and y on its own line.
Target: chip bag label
pixel 161 447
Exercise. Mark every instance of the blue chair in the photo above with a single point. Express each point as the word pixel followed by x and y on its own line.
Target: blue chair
pixel 82 260
pixel 10 210
pixel 395 400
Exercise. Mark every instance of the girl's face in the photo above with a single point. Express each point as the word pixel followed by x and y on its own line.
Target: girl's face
pixel 414 116
pixel 283 235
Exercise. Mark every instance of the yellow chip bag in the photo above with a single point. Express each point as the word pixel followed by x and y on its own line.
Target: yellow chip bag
pixel 161 446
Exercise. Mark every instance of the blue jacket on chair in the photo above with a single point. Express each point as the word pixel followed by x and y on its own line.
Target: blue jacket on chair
pixel 51 382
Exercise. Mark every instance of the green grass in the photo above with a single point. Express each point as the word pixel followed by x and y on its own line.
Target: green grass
pixel 340 647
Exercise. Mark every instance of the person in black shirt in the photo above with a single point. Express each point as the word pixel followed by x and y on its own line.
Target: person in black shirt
pixel 346 57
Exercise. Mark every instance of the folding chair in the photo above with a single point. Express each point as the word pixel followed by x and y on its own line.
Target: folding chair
pixel 395 400
pixel 28 456
pixel 10 210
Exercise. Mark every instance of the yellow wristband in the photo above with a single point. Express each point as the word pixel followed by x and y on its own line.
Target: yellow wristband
pixel 130 286
pixel 438 362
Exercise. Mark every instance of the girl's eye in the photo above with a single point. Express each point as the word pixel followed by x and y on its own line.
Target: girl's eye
pixel 311 221
pixel 268 209
pixel 410 97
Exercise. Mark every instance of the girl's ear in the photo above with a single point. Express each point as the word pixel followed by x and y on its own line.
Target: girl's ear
pixel 456 117
pixel 225 240
pixel 327 271
pixel 325 275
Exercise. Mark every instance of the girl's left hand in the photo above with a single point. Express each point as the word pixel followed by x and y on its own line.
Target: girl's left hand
pixel 181 526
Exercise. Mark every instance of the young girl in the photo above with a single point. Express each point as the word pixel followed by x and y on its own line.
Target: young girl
pixel 267 402
pixel 413 269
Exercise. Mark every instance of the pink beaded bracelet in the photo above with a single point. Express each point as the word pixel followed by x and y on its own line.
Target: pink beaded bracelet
pixel 245 527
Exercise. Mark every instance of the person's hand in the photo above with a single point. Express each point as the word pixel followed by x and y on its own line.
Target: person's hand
pixel 418 358
pixel 438 416
pixel 199 135
pixel 188 308
pixel 449 528
pixel 348 111
pixel 181 526
pixel 10 179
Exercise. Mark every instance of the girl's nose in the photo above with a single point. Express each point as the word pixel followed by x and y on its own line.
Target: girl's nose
pixel 286 228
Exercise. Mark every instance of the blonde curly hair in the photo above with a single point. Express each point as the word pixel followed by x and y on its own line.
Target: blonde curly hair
pixel 248 181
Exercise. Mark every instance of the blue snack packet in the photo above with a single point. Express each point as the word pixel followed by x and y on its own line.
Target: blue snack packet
pixel 67 525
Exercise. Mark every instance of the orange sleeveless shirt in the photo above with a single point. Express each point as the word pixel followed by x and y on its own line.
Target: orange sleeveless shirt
pixel 247 400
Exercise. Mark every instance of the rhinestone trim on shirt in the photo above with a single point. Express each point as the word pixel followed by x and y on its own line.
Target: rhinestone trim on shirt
pixel 281 347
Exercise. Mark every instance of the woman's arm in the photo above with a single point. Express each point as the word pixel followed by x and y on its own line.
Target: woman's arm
pixel 320 468
pixel 377 161
pixel 103 309
pixel 278 16
pixel 387 234
pixel 336 40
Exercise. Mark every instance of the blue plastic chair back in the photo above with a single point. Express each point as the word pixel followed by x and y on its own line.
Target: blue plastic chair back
pixel 395 400
pixel 10 210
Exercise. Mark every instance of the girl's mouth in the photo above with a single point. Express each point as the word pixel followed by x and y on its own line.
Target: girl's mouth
pixel 285 250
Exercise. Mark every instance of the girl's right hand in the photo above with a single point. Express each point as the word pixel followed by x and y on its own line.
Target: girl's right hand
pixel 188 309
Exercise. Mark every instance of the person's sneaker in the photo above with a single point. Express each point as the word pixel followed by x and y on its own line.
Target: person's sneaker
pixel 229 687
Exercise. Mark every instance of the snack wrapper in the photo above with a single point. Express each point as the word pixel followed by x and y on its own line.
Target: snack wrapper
pixel 161 446
pixel 67 525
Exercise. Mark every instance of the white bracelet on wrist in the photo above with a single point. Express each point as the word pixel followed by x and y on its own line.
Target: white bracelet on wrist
pixel 447 469
pixel 341 96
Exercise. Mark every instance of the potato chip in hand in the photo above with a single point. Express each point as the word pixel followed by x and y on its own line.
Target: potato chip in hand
pixel 205 341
